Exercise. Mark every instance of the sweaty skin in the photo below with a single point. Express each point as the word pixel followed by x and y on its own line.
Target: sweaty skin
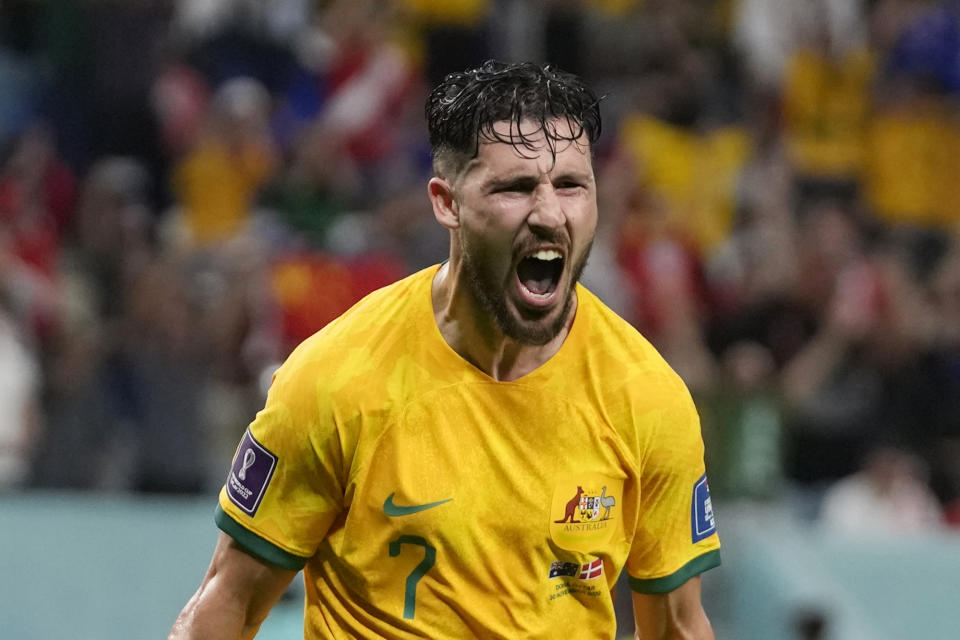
pixel 506 204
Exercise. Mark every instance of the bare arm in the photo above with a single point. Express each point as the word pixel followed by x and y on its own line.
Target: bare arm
pixel 677 615
pixel 234 598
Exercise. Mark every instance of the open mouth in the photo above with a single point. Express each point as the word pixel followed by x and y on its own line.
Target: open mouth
pixel 539 273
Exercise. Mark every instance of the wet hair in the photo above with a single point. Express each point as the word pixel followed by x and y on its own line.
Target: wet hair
pixel 462 110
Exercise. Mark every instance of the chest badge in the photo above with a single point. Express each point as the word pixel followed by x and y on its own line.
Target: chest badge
pixel 585 511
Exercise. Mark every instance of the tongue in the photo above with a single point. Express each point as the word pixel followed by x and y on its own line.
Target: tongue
pixel 536 275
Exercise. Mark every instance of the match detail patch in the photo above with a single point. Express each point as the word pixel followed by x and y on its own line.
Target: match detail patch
pixel 702 522
pixel 587 571
pixel 250 475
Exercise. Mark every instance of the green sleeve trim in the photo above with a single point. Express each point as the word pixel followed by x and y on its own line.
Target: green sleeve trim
pixel 668 583
pixel 252 543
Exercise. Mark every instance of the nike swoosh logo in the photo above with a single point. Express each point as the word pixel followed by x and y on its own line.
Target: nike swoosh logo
pixel 396 510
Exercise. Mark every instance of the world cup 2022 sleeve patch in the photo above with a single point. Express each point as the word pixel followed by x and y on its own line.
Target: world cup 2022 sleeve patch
pixel 702 522
pixel 250 474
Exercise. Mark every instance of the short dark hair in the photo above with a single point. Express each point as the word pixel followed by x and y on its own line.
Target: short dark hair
pixel 462 110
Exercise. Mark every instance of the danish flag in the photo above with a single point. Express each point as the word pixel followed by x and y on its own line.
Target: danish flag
pixel 591 570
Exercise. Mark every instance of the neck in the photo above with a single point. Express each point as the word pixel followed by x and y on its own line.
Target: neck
pixel 475 336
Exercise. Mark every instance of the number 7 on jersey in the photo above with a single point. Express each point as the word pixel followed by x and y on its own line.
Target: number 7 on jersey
pixel 429 557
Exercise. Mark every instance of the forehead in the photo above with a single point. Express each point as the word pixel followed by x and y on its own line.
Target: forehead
pixel 527 145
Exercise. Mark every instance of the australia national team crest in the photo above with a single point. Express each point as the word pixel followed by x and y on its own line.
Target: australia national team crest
pixel 590 506
pixel 585 511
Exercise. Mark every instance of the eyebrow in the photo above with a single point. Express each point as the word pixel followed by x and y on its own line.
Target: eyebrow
pixel 519 179
pixel 585 177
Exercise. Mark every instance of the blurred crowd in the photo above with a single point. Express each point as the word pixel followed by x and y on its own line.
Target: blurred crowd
pixel 188 189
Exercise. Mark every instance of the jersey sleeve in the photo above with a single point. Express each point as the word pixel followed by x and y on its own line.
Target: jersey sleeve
pixel 676 537
pixel 285 486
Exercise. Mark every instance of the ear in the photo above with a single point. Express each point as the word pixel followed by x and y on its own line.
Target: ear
pixel 445 208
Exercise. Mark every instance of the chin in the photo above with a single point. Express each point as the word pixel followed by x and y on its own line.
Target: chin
pixel 525 324
pixel 539 330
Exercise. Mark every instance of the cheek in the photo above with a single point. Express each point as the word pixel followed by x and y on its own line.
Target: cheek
pixel 504 216
pixel 487 256
pixel 481 245
pixel 495 226
pixel 584 221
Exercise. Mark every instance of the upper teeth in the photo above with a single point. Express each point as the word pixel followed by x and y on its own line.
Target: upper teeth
pixel 547 254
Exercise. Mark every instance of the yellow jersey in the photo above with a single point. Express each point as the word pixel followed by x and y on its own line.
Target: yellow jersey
pixel 423 498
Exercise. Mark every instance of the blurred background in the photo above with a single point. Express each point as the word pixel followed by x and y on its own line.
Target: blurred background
pixel 188 188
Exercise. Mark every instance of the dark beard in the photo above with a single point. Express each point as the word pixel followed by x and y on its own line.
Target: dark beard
pixel 493 300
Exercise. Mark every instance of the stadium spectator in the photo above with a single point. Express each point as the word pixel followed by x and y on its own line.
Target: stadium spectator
pixel 743 424
pixel 162 363
pixel 218 181
pixel 89 438
pixel 37 199
pixel 21 421
pixel 889 495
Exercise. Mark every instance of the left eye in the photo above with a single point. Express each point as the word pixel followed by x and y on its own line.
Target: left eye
pixel 514 188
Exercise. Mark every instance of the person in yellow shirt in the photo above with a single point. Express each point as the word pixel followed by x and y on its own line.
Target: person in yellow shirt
pixel 477 450
pixel 217 182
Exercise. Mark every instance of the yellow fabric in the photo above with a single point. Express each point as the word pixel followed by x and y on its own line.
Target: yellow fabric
pixel 449 12
pixel 826 104
pixel 377 405
pixel 697 175
pixel 217 187
pixel 913 172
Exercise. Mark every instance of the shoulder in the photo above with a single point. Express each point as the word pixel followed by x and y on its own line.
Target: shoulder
pixel 644 398
pixel 360 342
pixel 389 310
pixel 620 350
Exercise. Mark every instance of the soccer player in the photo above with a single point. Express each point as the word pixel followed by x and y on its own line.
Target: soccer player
pixel 478 450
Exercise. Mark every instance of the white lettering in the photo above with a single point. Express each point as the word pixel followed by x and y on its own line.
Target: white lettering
pixel 239 488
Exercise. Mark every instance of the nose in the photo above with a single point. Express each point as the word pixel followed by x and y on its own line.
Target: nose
pixel 547 211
